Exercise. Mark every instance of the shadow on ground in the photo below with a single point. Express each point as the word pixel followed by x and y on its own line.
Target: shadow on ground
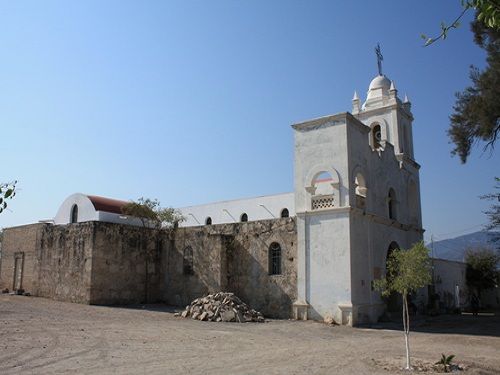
pixel 452 324
pixel 157 307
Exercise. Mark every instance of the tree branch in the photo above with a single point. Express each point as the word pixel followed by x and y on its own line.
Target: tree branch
pixel 445 29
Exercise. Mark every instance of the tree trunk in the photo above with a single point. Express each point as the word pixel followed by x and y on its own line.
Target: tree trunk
pixel 406 328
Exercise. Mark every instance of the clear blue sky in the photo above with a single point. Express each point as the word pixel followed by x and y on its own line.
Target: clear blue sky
pixel 191 101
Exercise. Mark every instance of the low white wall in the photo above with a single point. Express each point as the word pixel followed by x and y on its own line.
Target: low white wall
pixel 258 208
pixel 448 276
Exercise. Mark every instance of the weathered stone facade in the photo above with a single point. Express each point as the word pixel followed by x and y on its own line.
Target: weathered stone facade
pixel 235 258
pixel 19 247
pixel 63 262
pixel 106 263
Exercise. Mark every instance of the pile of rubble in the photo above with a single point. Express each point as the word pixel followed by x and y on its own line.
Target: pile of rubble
pixel 221 307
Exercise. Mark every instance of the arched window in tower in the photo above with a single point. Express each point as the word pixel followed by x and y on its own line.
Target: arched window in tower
pixel 285 213
pixel 74 214
pixel 322 191
pixel 275 259
pixel 376 136
pixel 360 190
pixel 244 217
pixel 391 204
pixel 187 264
pixel 208 221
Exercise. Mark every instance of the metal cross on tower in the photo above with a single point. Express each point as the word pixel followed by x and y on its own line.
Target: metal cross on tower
pixel 380 58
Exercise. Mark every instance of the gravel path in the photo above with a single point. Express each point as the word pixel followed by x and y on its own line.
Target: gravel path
pixel 40 336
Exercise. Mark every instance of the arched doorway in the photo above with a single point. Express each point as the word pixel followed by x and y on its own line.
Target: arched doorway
pixel 393 302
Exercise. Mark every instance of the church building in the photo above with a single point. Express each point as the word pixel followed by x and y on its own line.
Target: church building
pixel 312 253
pixel 356 196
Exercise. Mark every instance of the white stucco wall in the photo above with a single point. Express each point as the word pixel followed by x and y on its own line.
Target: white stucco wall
pixel 258 208
pixel 372 230
pixel 342 249
pixel 328 266
pixel 323 247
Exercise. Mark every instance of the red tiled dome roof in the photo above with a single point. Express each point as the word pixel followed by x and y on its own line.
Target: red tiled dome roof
pixel 107 204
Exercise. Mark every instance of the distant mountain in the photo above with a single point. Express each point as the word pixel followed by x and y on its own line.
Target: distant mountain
pixel 454 248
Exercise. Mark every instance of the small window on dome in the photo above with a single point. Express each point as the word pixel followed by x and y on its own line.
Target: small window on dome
pixel 208 221
pixel 244 217
pixel 74 214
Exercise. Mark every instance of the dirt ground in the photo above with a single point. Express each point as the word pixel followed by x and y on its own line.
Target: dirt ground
pixel 40 336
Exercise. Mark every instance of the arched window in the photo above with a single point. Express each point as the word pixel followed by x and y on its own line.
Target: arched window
pixel 376 136
pixel 391 204
pixel 323 191
pixel 275 259
pixel 208 221
pixel 285 213
pixel 188 261
pixel 360 190
pixel 74 214
pixel 244 217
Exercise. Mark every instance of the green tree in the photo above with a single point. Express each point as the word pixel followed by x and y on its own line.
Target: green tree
pixel 476 114
pixel 151 214
pixel 494 211
pixel 481 272
pixel 407 271
pixel 7 191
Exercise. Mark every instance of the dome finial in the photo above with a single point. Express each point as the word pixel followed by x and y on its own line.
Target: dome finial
pixel 393 86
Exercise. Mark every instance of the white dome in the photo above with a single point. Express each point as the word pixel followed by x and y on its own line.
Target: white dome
pixel 379 89
pixel 380 82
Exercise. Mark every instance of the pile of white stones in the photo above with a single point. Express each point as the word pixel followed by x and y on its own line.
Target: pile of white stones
pixel 221 307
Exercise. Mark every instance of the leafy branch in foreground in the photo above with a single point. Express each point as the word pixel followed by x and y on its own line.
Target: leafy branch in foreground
pixel 487 12
pixel 7 191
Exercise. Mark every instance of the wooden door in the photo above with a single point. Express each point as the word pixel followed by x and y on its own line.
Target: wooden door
pixel 18 271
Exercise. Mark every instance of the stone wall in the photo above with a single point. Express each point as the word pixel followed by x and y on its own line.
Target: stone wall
pixel 64 262
pixel 235 258
pixel 21 243
pixel 126 264
pixel 106 263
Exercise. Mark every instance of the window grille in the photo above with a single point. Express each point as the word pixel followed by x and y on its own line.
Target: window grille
pixel 275 259
pixel 322 201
